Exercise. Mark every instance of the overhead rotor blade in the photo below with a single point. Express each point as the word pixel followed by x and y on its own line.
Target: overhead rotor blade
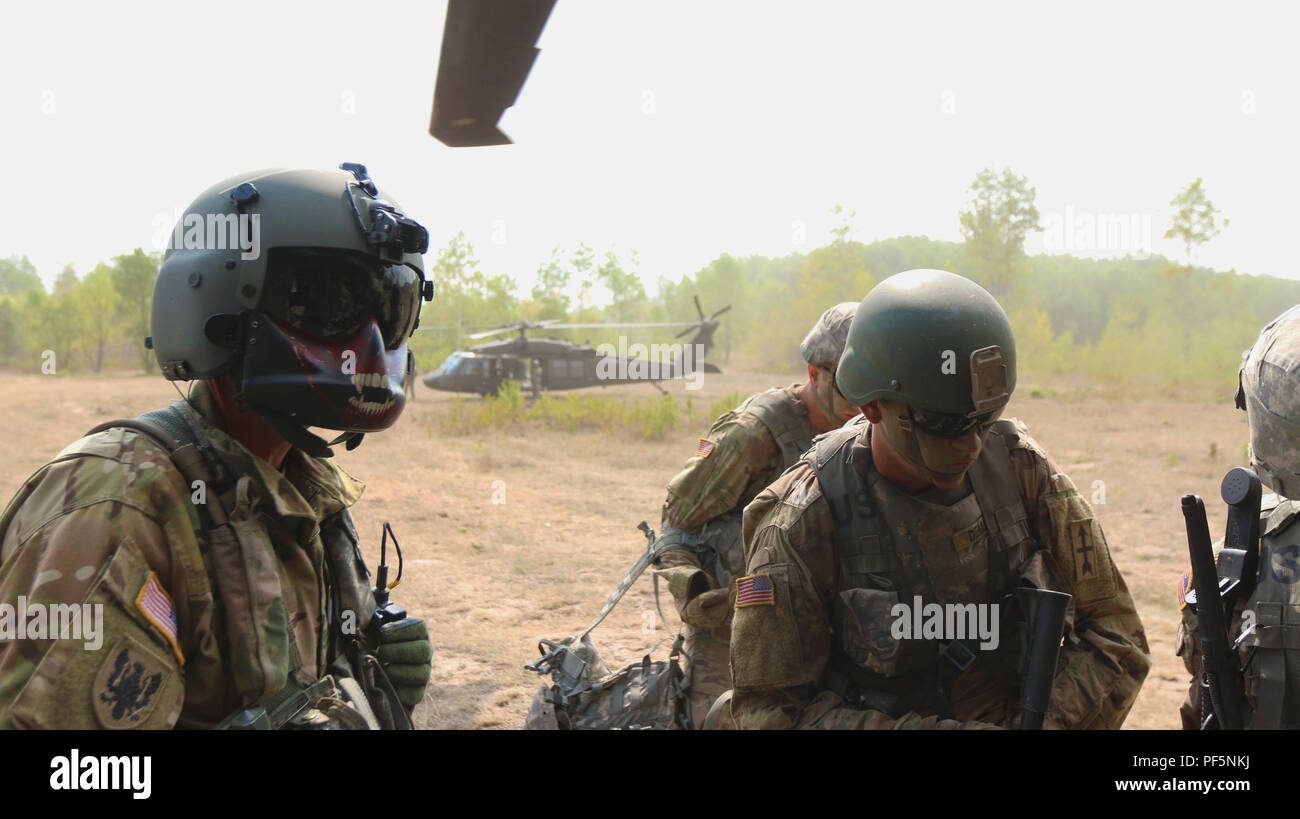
pixel 630 324
pixel 487 333
pixel 687 330
pixel 699 309
pixel 488 48
pixel 720 312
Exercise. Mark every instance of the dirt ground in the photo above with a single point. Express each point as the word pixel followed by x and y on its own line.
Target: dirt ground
pixel 519 535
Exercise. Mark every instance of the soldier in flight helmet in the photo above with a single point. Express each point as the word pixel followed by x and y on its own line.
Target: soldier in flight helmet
pixel 927 498
pixel 214 534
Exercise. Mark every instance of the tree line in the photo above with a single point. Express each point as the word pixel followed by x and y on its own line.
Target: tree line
pixel 1138 318
pixel 85 323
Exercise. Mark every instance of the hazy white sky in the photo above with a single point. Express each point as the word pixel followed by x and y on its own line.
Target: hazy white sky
pixel 680 129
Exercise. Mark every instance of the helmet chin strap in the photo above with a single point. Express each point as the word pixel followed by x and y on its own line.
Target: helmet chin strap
pixel 313 445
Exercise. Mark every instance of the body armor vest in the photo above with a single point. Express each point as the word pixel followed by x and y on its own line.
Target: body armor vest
pixel 891 547
pixel 1271 652
pixel 786 418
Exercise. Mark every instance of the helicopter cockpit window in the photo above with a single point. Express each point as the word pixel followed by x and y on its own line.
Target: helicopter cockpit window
pixel 449 365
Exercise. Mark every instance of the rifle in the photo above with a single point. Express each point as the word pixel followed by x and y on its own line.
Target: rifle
pixel 1217 587
pixel 1220 680
pixel 1044 615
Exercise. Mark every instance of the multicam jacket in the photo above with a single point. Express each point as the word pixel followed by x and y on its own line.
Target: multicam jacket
pixel 806 615
pixel 112 523
pixel 738 457
pixel 744 451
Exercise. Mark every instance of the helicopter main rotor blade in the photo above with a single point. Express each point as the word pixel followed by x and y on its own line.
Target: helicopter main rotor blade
pixel 698 309
pixel 488 48
pixel 487 333
pixel 720 312
pixel 630 324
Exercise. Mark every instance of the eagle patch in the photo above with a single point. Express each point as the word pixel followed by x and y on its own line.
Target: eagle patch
pixel 128 686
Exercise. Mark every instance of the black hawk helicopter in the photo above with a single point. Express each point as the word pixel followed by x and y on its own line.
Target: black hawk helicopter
pixel 551 364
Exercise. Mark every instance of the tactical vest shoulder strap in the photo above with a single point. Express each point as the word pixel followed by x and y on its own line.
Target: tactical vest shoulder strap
pixel 177 429
pixel 193 458
pixel 993 480
pixel 786 418
pixel 861 547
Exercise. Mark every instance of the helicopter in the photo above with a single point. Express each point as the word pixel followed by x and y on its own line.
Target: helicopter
pixel 551 364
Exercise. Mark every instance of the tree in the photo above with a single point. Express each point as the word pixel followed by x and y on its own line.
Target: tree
pixel 549 292
pixel 452 274
pixel 18 275
pixel 66 281
pixel 723 284
pixel 97 299
pixel 1193 224
pixel 133 276
pixel 840 233
pixel 625 286
pixel 1000 212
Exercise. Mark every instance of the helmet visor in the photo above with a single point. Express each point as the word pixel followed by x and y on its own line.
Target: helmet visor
pixel 331 293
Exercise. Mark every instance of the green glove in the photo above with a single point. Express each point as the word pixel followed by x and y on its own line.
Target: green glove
pixel 407 656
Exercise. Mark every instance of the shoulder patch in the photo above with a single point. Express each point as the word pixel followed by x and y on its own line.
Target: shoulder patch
pixel 1184 586
pixel 156 606
pixel 705 448
pixel 754 590
pixel 128 686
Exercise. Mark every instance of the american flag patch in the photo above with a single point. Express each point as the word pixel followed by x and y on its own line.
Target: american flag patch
pixel 705 448
pixel 156 606
pixel 1184 586
pixel 755 590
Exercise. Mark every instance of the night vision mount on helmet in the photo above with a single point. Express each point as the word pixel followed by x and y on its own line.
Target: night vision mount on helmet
pixel 304 285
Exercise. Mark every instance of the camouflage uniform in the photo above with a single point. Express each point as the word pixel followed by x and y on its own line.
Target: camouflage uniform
pixel 818 653
pixel 744 451
pixel 110 521
pixel 1270 651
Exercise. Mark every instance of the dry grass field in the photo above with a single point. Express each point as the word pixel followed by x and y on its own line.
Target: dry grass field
pixel 493 578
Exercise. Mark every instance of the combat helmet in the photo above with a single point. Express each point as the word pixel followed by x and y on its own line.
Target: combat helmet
pixel 304 285
pixel 933 340
pixel 1269 392
pixel 825 341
